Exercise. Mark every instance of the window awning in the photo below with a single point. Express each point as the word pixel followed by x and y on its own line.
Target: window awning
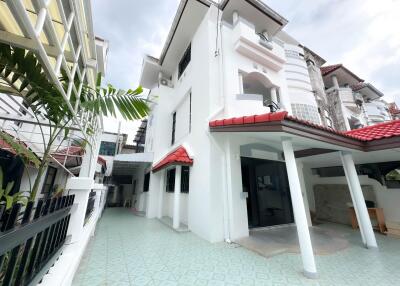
pixel 376 137
pixel 177 157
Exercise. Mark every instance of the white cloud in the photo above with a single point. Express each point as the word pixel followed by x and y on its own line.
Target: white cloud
pixel 363 35
pixel 134 28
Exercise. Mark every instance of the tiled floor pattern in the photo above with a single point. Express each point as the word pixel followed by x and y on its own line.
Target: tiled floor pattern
pixel 132 250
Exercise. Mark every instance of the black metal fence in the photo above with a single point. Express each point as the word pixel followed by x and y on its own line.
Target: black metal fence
pixel 90 206
pixel 27 244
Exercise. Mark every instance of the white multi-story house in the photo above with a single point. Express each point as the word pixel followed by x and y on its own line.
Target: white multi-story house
pixel 236 132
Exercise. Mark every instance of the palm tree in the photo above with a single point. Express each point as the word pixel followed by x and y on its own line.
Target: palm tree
pixel 23 73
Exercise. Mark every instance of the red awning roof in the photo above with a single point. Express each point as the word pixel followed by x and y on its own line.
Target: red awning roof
pixel 374 132
pixel 177 157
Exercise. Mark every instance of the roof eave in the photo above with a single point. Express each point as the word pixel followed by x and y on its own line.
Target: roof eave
pixel 175 23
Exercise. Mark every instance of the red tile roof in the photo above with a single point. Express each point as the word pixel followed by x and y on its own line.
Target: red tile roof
pixel 177 157
pixel 358 86
pixel 102 161
pixel 4 145
pixel 377 131
pixel 374 132
pixel 328 69
pixel 73 151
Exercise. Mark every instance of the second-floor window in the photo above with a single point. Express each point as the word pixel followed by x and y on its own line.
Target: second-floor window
pixel 173 128
pixel 185 60
pixel 107 148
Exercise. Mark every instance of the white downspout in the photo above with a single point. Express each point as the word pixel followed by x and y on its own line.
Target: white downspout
pixel 220 53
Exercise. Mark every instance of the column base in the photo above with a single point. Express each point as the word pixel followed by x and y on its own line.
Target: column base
pixel 374 248
pixel 310 275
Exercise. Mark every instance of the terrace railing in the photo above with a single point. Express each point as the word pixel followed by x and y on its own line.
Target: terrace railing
pixel 28 245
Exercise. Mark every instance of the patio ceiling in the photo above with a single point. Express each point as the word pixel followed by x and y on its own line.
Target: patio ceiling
pixel 127 164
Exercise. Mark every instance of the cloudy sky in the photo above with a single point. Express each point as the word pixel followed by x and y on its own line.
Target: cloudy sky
pixel 362 34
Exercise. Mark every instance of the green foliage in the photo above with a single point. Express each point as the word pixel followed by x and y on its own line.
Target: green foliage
pixel 5 196
pixel 107 101
pixel 42 96
pixel 23 72
pixel 24 152
pixel 393 175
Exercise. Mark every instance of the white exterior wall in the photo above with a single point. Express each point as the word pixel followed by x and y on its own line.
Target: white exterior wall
pixel 299 86
pixel 385 198
pixel 199 78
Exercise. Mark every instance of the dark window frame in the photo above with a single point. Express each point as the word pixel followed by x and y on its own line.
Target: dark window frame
pixel 185 60
pixel 171 176
pixel 173 128
pixel 170 180
pixel 47 188
pixel 104 147
pixel 185 179
pixel 146 183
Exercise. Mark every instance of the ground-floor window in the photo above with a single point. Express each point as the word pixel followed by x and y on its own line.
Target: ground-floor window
pixel 146 183
pixel 49 180
pixel 185 179
pixel 170 185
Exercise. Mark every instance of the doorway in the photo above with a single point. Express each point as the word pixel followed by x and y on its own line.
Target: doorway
pixel 267 186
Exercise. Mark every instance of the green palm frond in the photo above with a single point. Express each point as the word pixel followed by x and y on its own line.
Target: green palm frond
pixel 25 74
pixel 131 104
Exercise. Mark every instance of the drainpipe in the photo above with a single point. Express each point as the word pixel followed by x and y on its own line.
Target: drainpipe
pixel 220 53
pixel 117 143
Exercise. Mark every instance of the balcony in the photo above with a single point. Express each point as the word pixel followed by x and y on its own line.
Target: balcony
pixel 250 45
pixel 346 96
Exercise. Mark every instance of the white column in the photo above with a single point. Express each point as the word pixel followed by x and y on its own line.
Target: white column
pixel 335 81
pixel 177 197
pixel 80 187
pixel 235 17
pixel 358 200
pixel 161 194
pixel 299 211
pixel 241 83
pixel 274 97
pixel 300 168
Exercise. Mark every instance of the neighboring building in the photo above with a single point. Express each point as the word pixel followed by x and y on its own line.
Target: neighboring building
pixel 352 102
pixel 61 35
pixel 66 41
pixel 394 110
pixel 235 129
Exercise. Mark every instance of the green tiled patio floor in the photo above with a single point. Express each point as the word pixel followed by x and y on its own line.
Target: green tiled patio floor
pixel 131 250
